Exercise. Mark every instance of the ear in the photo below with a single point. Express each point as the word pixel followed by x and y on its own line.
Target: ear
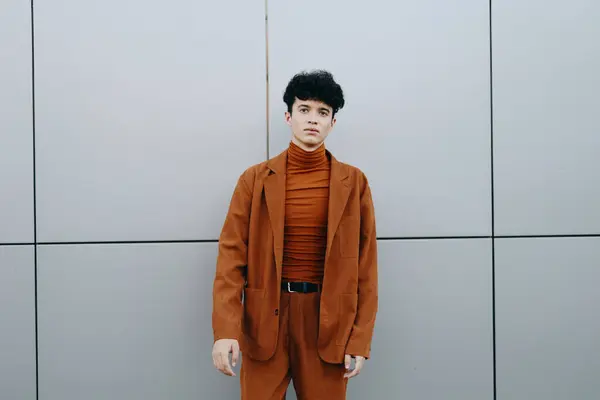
pixel 333 121
pixel 288 118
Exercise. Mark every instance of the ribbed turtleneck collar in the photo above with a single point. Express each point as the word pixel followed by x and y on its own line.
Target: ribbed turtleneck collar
pixel 299 158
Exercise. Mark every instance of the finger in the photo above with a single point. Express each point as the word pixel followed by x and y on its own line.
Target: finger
pixel 223 362
pixel 235 354
pixel 347 365
pixel 352 373
pixel 347 360
pixel 358 365
pixel 220 364
pixel 217 358
pixel 360 362
pixel 226 367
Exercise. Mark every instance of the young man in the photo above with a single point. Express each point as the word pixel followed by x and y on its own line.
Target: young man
pixel 296 279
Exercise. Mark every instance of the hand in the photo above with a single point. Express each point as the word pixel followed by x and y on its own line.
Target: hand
pixel 220 354
pixel 358 364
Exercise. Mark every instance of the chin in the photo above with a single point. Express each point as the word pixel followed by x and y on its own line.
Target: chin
pixel 311 139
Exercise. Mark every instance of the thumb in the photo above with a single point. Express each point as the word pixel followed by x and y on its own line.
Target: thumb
pixel 235 353
pixel 347 359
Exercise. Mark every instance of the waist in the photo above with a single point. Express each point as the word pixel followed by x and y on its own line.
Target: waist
pixel 300 287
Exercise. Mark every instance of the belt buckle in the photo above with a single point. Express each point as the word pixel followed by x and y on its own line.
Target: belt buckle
pixel 290 288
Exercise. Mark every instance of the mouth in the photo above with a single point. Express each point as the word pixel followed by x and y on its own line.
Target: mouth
pixel 311 131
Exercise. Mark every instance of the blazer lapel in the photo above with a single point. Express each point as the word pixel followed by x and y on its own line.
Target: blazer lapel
pixel 339 190
pixel 275 198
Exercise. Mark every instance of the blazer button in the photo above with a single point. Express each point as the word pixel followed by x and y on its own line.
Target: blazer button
pixel 276 311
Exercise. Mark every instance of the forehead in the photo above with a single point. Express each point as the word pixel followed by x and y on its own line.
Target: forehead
pixel 311 104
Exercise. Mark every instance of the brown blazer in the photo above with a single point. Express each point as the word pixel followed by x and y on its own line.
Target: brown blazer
pixel 250 259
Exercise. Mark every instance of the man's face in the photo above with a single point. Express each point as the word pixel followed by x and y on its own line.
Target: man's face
pixel 311 121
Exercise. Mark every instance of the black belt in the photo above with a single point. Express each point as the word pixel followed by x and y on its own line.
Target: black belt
pixel 300 287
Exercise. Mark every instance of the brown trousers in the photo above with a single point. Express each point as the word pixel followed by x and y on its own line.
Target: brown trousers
pixel 296 358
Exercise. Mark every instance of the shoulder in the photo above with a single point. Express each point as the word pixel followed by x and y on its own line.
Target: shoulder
pixel 356 175
pixel 354 171
pixel 260 171
pixel 252 171
pixel 248 176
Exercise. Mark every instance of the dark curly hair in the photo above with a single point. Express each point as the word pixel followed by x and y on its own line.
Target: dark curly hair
pixel 317 85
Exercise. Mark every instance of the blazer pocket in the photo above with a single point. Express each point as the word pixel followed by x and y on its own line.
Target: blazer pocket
pixel 349 237
pixel 347 307
pixel 253 310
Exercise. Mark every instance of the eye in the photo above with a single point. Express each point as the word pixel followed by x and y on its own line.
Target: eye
pixel 324 113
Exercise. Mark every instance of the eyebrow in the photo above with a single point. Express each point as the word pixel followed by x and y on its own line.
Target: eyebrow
pixel 320 108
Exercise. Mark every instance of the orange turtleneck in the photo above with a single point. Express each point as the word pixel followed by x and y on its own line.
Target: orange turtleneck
pixel 307 199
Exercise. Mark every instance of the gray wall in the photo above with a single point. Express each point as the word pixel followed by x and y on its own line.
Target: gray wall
pixel 485 179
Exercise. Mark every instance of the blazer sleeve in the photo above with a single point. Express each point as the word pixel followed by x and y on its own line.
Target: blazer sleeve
pixel 359 343
pixel 231 265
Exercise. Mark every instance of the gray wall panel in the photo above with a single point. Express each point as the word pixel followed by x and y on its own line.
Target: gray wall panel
pixel 546 141
pixel 433 337
pixel 16 123
pixel 147 112
pixel 17 322
pixel 143 307
pixel 417 120
pixel 128 322
pixel 547 328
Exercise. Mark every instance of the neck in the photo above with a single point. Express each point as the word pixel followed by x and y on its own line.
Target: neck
pixel 306 147
pixel 299 158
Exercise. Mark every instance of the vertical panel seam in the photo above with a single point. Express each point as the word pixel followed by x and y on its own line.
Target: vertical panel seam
pixel 494 372
pixel 35 284
pixel 267 115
